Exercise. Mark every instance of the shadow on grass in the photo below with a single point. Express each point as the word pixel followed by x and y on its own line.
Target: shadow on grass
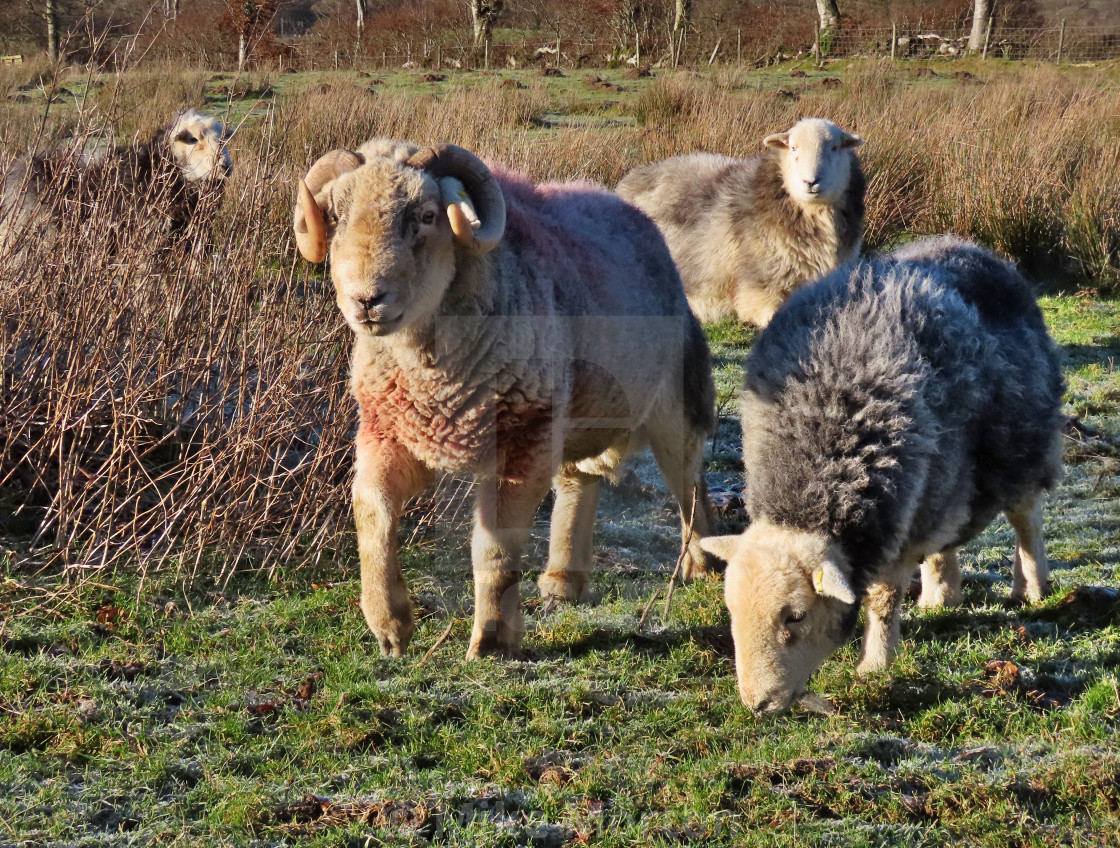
pixel 1102 349
pixel 606 639
pixel 1081 609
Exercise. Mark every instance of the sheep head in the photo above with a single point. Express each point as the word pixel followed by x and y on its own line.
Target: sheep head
pixel 791 605
pixel 816 159
pixel 198 147
pixel 392 224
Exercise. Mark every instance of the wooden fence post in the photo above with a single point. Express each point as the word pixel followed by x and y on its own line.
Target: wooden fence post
pixel 715 50
pixel 1061 40
pixel 739 46
pixel 894 38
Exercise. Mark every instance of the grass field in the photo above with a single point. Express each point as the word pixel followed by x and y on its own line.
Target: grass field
pixel 212 696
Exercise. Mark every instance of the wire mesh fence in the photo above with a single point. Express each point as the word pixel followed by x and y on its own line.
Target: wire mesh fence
pixel 1043 44
pixel 902 42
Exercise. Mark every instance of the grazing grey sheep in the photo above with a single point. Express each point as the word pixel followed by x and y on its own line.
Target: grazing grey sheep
pixel 182 166
pixel 746 232
pixel 528 334
pixel 890 411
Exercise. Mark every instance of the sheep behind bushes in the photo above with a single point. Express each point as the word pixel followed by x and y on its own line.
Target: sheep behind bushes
pixel 528 334
pixel 890 411
pixel 746 232
pixel 171 178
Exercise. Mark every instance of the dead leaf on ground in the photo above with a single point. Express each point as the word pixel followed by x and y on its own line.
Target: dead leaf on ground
pixel 108 615
pixel 309 687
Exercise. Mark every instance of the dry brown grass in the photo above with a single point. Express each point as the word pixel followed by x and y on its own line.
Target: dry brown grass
pixel 189 408
pixel 1026 163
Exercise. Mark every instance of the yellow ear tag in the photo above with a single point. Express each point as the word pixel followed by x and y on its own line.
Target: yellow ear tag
pixel 818 580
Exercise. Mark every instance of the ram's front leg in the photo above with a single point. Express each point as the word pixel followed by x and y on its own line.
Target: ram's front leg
pixel 503 519
pixel 386 476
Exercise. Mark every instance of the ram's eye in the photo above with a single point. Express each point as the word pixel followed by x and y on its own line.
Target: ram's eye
pixel 187 138
pixel 428 217
pixel 794 618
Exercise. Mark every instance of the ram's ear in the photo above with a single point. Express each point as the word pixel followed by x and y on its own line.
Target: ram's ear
pixel 850 140
pixel 830 581
pixel 777 140
pixel 723 547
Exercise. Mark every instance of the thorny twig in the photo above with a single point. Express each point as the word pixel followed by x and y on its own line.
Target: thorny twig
pixel 676 568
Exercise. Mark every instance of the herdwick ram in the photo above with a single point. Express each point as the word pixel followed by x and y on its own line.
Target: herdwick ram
pixel 181 167
pixel 746 232
pixel 890 411
pixel 534 341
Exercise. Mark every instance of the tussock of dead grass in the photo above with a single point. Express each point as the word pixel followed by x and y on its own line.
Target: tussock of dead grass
pixel 1025 163
pixel 190 407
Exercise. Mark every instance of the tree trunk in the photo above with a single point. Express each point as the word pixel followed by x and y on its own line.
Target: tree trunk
pixel 981 11
pixel 683 16
pixel 829 14
pixel 829 26
pixel 170 9
pixel 51 14
pixel 242 51
pixel 361 5
pixel 484 13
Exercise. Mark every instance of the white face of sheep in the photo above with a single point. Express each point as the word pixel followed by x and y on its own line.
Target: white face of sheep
pixel 816 160
pixel 198 146
pixel 791 606
pixel 392 228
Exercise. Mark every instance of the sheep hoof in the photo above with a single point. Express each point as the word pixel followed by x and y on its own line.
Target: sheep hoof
pixel 493 645
pixel 1029 595
pixel 563 586
pixel 393 635
pixel 937 596
pixel 694 565
pixel 871 665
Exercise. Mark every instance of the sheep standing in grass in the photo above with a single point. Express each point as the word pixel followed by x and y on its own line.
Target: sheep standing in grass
pixel 746 232
pixel 890 411
pixel 530 335
pixel 169 177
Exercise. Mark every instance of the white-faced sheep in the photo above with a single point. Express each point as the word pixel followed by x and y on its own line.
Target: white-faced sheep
pixel 169 177
pixel 890 411
pixel 535 341
pixel 746 232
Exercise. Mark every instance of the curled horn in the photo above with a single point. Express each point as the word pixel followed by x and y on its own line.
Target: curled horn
pixel 309 225
pixel 449 160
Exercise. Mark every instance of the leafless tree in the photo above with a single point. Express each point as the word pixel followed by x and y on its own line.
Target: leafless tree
pixel 484 13
pixel 251 21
